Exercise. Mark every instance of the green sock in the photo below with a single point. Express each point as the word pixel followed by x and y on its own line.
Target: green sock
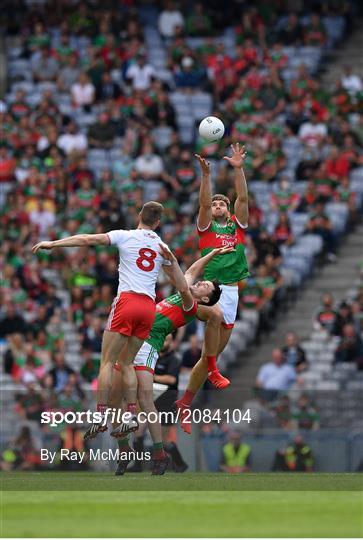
pixel 123 443
pixel 158 450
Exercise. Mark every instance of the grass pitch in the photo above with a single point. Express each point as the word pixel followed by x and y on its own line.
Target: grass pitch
pixel 192 505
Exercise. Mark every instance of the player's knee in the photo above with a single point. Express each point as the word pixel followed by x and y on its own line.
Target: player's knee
pixel 145 398
pixel 216 318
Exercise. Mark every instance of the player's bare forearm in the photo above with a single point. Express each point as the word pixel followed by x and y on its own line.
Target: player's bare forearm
pixel 241 203
pixel 236 161
pixel 78 240
pixel 205 194
pixel 197 268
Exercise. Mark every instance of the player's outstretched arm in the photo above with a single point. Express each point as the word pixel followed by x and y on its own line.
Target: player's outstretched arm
pixel 176 276
pixel 74 241
pixel 205 195
pixel 241 203
pixel 197 268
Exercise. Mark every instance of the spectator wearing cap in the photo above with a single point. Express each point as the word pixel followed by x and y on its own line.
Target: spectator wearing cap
pixel 293 353
pixel 141 74
pixel 275 376
pixel 188 77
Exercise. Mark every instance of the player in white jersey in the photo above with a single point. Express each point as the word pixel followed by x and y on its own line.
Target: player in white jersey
pixel 133 310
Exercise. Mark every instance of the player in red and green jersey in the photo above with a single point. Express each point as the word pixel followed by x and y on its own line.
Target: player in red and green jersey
pixel 217 228
pixel 172 313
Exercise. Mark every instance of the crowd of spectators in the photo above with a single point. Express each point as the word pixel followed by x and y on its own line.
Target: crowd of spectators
pixel 90 94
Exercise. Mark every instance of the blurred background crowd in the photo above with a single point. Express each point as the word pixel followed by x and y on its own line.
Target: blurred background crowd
pixel 100 114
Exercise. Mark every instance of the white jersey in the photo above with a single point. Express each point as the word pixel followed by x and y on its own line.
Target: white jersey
pixel 140 260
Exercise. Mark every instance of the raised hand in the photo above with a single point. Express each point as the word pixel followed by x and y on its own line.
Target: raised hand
pixel 42 245
pixel 238 156
pixel 223 250
pixel 205 165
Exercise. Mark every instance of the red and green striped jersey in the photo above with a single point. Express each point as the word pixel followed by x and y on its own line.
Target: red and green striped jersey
pixel 170 315
pixel 231 267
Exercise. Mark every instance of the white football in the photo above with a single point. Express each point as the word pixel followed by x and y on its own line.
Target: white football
pixel 211 129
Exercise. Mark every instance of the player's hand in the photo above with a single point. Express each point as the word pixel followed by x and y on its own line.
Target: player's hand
pixel 166 253
pixel 205 165
pixel 223 250
pixel 238 156
pixel 42 245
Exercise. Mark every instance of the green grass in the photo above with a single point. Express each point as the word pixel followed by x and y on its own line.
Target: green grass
pixel 190 505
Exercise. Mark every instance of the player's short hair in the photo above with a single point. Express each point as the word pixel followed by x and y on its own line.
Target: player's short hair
pixel 220 197
pixel 214 295
pixel 151 213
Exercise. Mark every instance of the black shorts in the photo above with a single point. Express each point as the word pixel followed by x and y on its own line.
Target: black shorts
pixel 166 404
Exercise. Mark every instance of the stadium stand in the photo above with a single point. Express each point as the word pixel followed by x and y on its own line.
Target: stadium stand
pixel 97 120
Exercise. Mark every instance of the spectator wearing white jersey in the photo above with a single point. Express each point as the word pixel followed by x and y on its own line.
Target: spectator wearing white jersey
pixel 313 132
pixel 141 74
pixel 275 376
pixel 169 20
pixel 351 82
pixel 133 310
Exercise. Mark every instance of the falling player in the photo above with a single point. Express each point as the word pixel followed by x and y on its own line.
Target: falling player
pixel 172 313
pixel 133 310
pixel 218 228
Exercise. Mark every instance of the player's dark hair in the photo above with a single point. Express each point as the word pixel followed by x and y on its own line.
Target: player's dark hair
pixel 220 197
pixel 214 295
pixel 151 213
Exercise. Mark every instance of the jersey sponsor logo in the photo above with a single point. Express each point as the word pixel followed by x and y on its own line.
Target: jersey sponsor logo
pixel 163 304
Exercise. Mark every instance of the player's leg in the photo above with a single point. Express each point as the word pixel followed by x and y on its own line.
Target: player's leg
pixel 116 401
pixel 112 343
pixel 170 446
pixel 213 316
pixel 145 396
pixel 129 386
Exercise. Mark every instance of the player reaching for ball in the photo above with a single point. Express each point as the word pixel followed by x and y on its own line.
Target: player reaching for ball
pixel 133 310
pixel 218 228
pixel 172 313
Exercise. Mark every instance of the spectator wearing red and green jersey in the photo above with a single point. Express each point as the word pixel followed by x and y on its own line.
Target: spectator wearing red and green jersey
pixel 323 183
pixel 326 316
pixel 314 33
pixel 251 295
pixel 284 199
pixel 337 165
pixel 7 166
pixel 283 232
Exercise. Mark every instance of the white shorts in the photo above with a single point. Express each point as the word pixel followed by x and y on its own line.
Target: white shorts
pixel 146 358
pixel 228 303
